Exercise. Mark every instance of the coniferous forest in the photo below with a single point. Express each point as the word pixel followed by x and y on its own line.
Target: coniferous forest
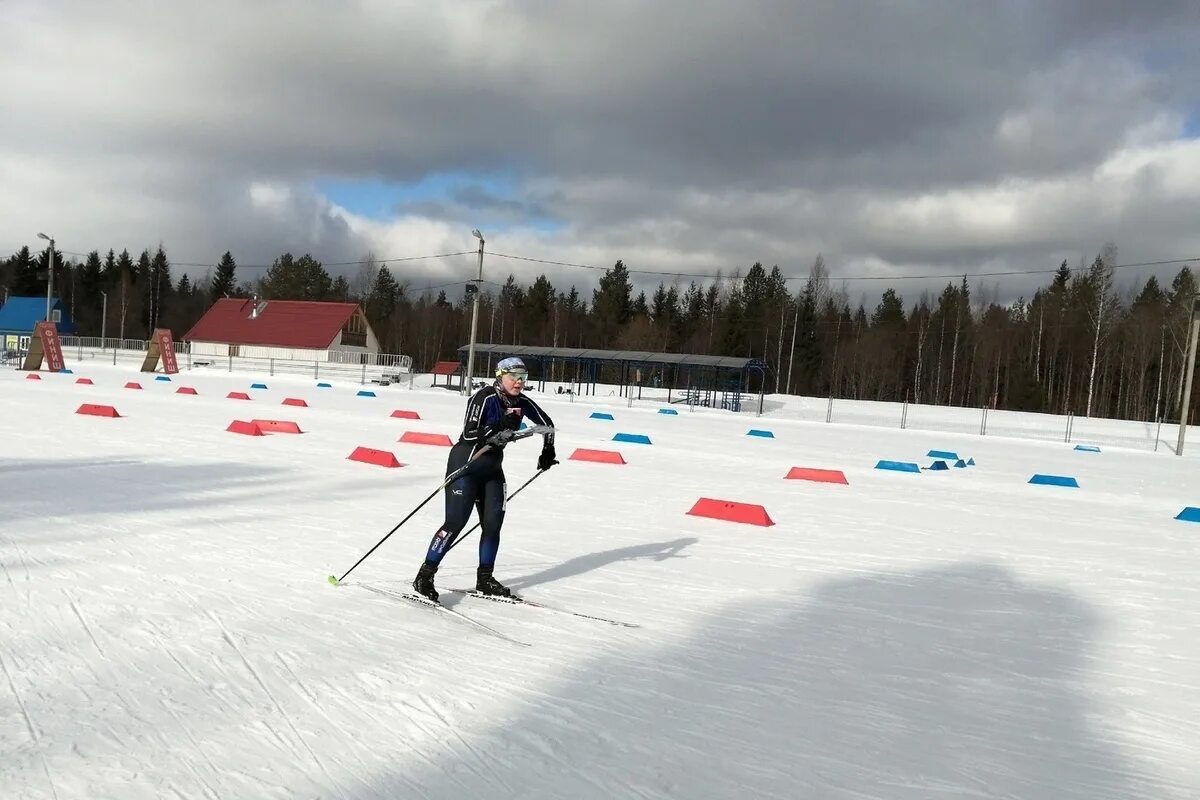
pixel 1084 342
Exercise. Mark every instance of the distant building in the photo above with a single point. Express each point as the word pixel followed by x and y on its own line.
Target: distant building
pixel 20 314
pixel 293 329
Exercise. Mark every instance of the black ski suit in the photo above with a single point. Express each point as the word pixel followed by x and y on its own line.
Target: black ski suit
pixel 482 485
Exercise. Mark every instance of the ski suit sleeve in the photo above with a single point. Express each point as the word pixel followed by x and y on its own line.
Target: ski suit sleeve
pixel 539 417
pixel 483 417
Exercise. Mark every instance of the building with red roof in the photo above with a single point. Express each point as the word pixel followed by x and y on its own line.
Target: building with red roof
pixel 289 329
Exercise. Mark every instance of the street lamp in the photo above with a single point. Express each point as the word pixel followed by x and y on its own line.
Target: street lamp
pixel 1190 372
pixel 473 288
pixel 49 273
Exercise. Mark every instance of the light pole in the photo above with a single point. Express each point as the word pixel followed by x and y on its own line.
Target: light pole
pixel 473 288
pixel 1191 371
pixel 49 273
pixel 103 318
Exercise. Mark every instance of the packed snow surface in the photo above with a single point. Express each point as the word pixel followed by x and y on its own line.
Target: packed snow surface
pixel 167 630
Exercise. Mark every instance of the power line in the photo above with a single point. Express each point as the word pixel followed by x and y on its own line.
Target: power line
pixel 677 273
pixel 835 278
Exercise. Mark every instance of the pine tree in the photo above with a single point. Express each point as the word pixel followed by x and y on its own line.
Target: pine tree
pixel 223 281
pixel 612 303
pixel 25 281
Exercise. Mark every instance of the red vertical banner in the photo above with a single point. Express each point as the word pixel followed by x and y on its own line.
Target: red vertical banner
pixel 166 346
pixel 51 346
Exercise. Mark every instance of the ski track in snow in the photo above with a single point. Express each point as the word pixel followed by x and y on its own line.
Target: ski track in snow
pixel 167 632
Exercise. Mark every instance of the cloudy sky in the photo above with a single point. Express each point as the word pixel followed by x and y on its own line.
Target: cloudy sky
pixel 895 138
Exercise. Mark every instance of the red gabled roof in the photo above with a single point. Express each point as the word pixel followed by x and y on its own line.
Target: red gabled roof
pixel 280 323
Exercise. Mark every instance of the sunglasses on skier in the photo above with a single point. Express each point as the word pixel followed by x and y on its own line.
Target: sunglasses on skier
pixel 518 376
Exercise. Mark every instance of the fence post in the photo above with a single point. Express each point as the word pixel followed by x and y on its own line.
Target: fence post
pixel 1157 432
pixel 829 410
pixel 363 381
pixel 904 415
pixel 983 422
pixel 230 357
pixel 316 370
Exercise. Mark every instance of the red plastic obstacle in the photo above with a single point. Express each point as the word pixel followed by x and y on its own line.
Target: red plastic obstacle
pixel 294 401
pixel 237 396
pixel 133 385
pixel 817 475
pixel 749 513
pixel 599 456
pixel 277 426
pixel 440 439
pixel 33 376
pixel 241 426
pixel 369 455
pixel 401 414
pixel 186 390
pixel 94 410
pixel 85 381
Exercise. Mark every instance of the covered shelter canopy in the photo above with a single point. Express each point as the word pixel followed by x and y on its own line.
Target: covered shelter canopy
pixel 702 378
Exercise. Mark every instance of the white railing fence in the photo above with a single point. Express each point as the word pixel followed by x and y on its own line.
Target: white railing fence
pixel 381 368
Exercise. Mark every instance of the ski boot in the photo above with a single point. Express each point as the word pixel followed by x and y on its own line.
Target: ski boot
pixel 423 583
pixel 486 584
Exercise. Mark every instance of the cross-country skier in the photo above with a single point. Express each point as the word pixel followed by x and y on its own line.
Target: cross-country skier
pixel 491 410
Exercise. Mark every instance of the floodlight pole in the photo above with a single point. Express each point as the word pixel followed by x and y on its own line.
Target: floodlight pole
pixel 466 389
pixel 49 273
pixel 1190 373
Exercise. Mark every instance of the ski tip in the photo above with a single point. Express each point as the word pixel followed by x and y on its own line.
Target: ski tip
pixel 333 581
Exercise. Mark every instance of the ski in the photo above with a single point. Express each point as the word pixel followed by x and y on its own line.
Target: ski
pixel 413 597
pixel 521 601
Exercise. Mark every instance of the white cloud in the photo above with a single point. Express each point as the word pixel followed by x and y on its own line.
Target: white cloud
pixel 676 136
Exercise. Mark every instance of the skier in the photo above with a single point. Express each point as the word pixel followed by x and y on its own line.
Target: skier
pixel 491 410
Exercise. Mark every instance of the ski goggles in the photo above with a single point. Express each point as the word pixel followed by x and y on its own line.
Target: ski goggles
pixel 517 376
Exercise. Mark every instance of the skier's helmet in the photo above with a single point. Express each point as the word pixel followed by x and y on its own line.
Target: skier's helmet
pixel 512 365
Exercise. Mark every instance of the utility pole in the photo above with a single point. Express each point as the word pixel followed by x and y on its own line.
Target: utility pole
pixel 1191 371
pixel 473 288
pixel 49 273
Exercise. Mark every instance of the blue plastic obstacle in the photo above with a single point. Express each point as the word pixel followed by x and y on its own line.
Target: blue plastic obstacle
pixel 949 455
pixel 600 415
pixel 632 438
pixel 939 465
pixel 1189 514
pixel 1087 448
pixel 162 377
pixel 670 411
pixel 762 434
pixel 365 393
pixel 324 386
pixel 1055 480
pixel 960 463
pixel 258 386
pixel 970 462
pixel 899 466
pixel 67 371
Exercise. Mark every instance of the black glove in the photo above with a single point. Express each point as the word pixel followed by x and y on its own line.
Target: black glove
pixel 510 421
pixel 547 460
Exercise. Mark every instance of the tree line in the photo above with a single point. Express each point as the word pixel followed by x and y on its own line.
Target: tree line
pixel 1077 345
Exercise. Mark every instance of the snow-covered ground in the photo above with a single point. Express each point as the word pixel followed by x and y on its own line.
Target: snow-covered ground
pixel 166 629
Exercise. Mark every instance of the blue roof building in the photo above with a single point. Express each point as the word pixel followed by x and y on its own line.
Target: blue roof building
pixel 20 314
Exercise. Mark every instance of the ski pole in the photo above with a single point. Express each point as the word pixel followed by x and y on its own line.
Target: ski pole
pixel 450 546
pixel 449 479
